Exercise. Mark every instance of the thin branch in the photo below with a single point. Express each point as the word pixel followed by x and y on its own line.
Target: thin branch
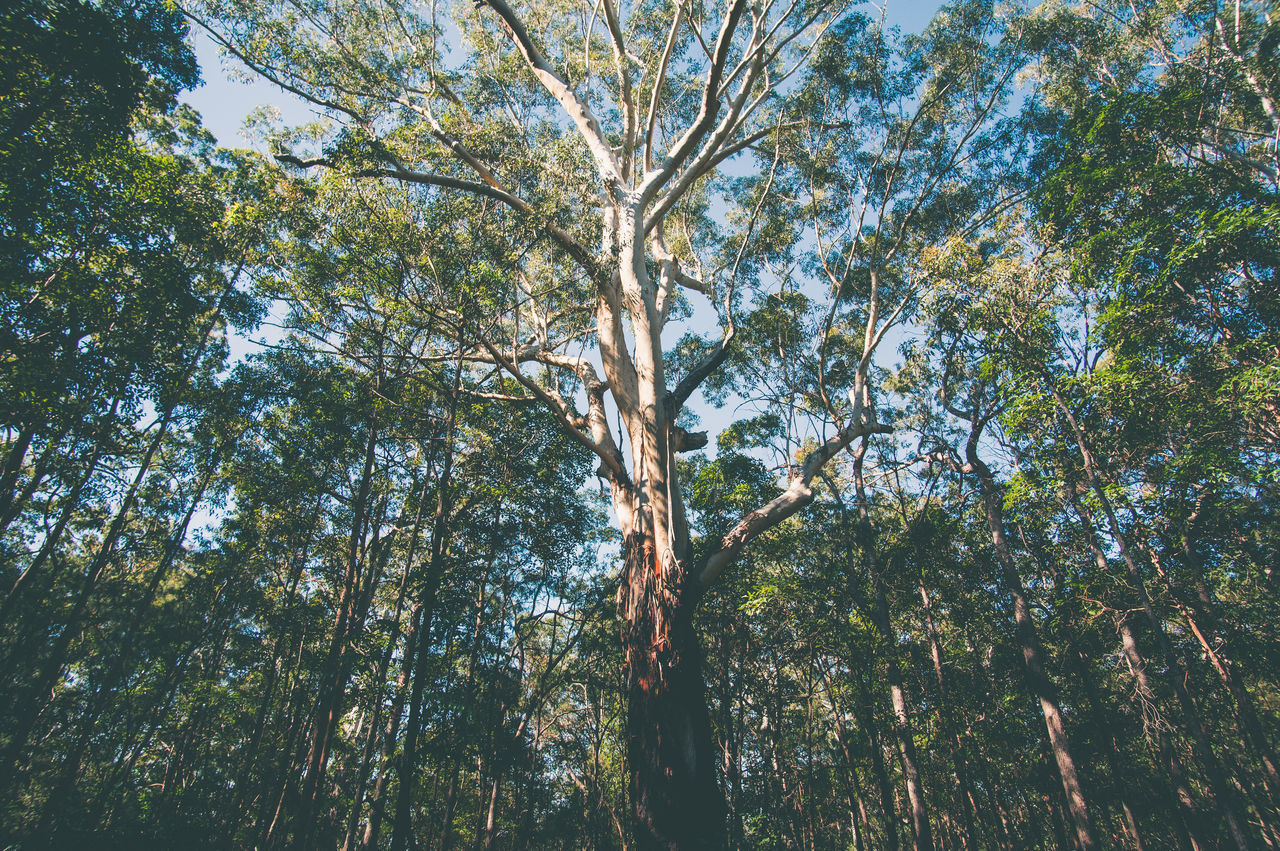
pixel 797 495
pixel 707 111
pixel 658 83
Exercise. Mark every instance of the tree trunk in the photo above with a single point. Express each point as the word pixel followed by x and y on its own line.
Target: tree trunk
pixel 69 505
pixel 920 831
pixel 731 643
pixel 1202 611
pixel 417 650
pixel 13 504
pixel 676 801
pixel 491 813
pixel 970 816
pixel 390 736
pixel 11 469
pixel 338 661
pixel 43 694
pixel 1187 818
pixel 392 726
pixel 888 807
pixel 1033 657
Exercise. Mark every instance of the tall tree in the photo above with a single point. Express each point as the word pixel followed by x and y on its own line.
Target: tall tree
pixel 619 220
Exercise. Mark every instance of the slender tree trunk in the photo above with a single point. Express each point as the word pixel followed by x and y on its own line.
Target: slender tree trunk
pixel 1199 611
pixel 296 731
pixel 1254 740
pixel 920 829
pixel 119 672
pixel 11 469
pixel 391 735
pixel 888 808
pixel 402 833
pixel 450 807
pixel 970 816
pixel 338 657
pixel 406 768
pixel 1191 825
pixel 370 746
pixel 1187 818
pixel 1131 825
pixel 730 644
pixel 997 813
pixel 469 698
pixel 57 659
pixel 852 792
pixel 1032 653
pixel 14 503
pixel 51 540
pixel 1126 782
pixel 601 803
pixel 397 704
pixel 865 535
pixel 491 813
pixel 173 543
pixel 300 549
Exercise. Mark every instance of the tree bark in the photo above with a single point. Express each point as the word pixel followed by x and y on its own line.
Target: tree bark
pixel 970 817
pixel 922 836
pixel 888 806
pixel 338 661
pixel 676 800
pixel 920 830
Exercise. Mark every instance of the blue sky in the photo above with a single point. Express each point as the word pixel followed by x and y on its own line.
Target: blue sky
pixel 230 92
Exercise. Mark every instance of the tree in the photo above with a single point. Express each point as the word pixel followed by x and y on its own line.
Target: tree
pixel 529 130
pixel 353 591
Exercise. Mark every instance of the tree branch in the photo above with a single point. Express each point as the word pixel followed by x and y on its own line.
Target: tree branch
pixel 395 171
pixel 707 111
pixel 581 115
pixel 797 495
pixel 565 417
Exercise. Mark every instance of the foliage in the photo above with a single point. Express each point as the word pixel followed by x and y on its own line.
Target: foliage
pixel 360 588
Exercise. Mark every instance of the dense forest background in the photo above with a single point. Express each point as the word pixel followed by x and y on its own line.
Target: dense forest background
pixel 360 588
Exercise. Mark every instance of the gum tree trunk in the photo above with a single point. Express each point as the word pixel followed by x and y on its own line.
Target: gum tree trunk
pixel 676 801
pixel 1033 657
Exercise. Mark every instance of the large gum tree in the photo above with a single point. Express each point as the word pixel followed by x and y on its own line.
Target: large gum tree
pixel 598 130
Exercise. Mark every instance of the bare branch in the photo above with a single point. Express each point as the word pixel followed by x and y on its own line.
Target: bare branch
pixel 658 83
pixel 797 495
pixel 581 115
pixel 707 112
pixel 624 82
